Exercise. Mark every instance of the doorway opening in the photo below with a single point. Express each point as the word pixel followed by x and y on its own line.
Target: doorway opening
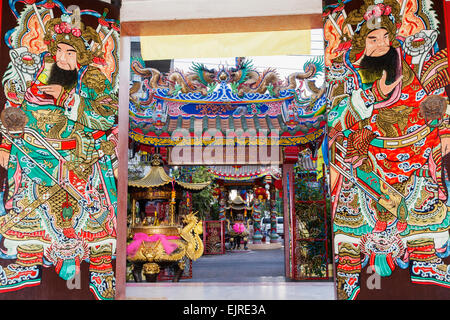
pixel 246 213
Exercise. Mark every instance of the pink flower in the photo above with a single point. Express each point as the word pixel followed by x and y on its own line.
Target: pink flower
pixel 65 27
pixel 238 228
pixel 76 32
pixel 377 11
pixel 58 29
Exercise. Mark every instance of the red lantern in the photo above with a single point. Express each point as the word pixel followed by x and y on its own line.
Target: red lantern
pixel 216 192
pixel 261 192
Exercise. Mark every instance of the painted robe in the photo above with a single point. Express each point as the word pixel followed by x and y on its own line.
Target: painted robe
pixel 60 176
pixel 404 152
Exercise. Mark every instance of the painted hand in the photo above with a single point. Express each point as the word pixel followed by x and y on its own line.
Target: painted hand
pixel 387 88
pixel 53 90
pixel 4 158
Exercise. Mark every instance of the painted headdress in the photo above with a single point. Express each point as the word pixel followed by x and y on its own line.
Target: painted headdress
pixel 372 15
pixel 70 30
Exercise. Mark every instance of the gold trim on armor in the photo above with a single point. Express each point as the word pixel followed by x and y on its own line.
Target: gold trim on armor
pixel 35 142
pixel 402 141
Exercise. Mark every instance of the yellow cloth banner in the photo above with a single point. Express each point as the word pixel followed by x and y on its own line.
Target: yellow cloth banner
pixel 296 42
pixel 320 162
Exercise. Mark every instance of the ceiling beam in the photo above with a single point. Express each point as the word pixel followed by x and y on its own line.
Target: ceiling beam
pixel 222 25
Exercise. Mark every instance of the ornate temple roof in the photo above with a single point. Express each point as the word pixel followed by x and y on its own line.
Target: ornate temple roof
pixel 302 133
pixel 244 173
pixel 157 177
pixel 238 204
pixel 294 116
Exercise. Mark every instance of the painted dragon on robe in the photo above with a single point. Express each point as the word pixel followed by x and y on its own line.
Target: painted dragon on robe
pixel 199 80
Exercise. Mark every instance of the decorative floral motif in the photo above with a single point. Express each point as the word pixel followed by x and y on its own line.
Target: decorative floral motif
pixel 377 10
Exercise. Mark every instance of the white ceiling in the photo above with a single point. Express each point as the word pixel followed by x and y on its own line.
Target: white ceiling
pixel 150 10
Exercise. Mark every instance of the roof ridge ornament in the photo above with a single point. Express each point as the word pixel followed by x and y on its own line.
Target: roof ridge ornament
pixel 156 160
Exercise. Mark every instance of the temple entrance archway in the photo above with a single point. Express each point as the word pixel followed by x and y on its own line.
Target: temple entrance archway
pixel 287 153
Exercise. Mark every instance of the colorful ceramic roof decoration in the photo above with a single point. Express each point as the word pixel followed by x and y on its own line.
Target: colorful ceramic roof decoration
pixel 244 173
pixel 228 100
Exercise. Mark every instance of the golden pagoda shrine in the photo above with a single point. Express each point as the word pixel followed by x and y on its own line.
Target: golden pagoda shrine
pixel 238 217
pixel 165 238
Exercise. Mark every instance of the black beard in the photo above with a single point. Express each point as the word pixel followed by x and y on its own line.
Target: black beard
pixel 387 62
pixel 65 78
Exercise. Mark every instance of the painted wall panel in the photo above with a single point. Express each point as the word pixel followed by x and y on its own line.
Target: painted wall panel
pixel 59 67
pixel 388 131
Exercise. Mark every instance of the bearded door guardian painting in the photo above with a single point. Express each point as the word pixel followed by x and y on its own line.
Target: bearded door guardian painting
pixel 59 138
pixel 386 75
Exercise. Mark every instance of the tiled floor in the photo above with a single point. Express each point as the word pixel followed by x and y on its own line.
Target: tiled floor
pixel 232 291
pixel 246 275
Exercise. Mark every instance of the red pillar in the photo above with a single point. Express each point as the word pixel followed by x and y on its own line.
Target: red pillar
pixel 446 6
pixel 122 181
pixel 290 157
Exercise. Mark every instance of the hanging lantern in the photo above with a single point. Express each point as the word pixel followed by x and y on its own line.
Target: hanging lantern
pixel 172 204
pixel 260 191
pixel 216 192
pixel 188 200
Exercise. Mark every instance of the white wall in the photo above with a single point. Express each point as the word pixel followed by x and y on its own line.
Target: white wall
pixel 145 10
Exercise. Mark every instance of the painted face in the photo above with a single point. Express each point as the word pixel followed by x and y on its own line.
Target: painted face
pixel 377 43
pixel 66 57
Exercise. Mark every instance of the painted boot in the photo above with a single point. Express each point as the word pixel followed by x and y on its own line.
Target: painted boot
pixel 381 218
pixel 102 281
pixel 348 271
pixel 380 226
pixel 26 272
pixel 426 266
pixel 402 214
pixel 401 226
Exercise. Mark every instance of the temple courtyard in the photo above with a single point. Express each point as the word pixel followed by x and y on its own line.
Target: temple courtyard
pixel 253 274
